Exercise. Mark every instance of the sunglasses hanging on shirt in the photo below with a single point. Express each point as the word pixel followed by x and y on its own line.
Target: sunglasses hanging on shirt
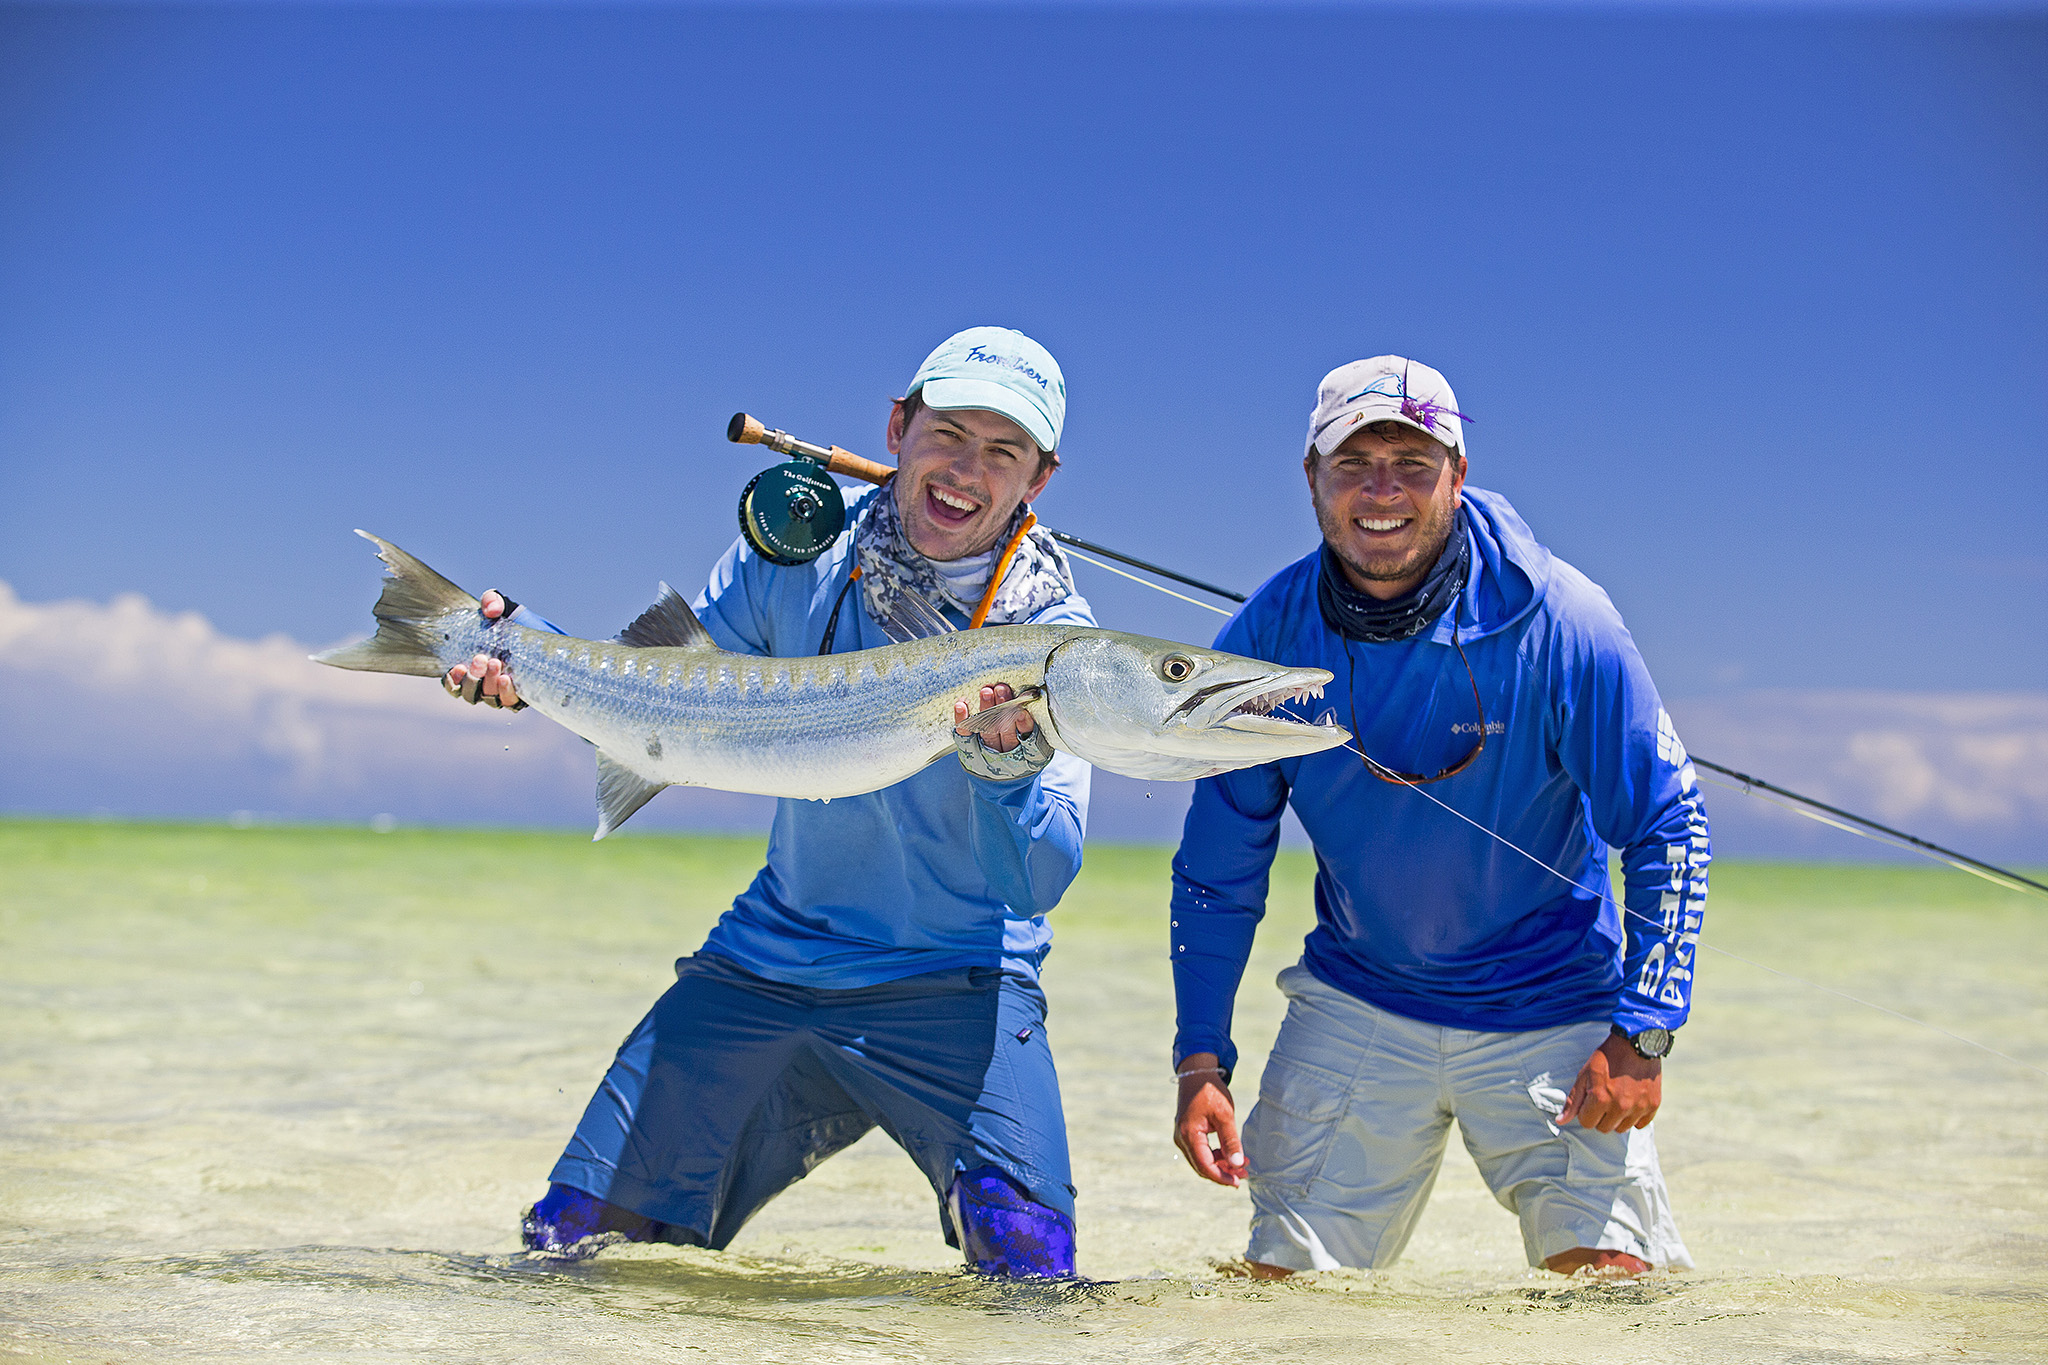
pixel 1394 775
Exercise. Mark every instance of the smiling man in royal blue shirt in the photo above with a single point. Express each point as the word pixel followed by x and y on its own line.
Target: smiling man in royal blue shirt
pixel 1452 974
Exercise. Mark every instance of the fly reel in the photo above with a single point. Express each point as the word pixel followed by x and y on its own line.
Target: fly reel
pixel 791 513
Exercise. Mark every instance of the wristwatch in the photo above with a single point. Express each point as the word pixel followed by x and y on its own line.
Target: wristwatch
pixel 1651 1044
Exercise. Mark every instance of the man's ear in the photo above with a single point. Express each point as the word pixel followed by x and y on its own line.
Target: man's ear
pixel 897 427
pixel 1044 477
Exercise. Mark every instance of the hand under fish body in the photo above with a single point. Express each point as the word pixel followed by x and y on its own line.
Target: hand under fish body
pixel 665 706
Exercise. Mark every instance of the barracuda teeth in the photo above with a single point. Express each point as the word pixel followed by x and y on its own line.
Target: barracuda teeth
pixel 1266 703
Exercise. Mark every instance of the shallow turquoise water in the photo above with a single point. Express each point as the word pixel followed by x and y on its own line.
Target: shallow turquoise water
pixel 283 1098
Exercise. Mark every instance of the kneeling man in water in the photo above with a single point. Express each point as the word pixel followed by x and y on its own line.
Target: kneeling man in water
pixel 1493 689
pixel 882 970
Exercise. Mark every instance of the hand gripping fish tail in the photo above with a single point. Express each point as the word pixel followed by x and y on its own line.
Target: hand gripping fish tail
pixel 667 706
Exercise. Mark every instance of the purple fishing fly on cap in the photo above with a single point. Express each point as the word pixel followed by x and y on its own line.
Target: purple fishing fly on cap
pixel 1382 389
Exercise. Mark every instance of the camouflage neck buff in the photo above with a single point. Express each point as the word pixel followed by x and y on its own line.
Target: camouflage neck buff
pixel 1359 616
pixel 1038 576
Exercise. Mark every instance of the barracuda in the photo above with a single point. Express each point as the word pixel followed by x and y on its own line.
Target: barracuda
pixel 665 706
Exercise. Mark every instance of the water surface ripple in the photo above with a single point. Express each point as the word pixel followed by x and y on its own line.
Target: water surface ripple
pixel 281 1094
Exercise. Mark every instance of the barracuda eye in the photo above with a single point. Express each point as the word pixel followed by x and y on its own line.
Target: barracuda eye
pixel 1177 668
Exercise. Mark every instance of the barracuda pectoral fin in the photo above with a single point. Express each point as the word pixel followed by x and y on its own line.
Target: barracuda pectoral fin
pixel 669 623
pixel 620 792
pixel 985 723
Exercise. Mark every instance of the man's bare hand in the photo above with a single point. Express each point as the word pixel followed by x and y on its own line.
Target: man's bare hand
pixel 1616 1089
pixel 1005 736
pixel 1205 1114
pixel 484 678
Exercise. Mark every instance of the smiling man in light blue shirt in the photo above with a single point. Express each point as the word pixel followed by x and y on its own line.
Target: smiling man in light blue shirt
pixel 882 968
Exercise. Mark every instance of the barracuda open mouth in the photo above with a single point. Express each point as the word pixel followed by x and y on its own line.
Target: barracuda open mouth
pixel 1227 702
pixel 1265 703
pixel 1254 714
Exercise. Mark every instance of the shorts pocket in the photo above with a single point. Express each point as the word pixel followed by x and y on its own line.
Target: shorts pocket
pixel 1303 1091
pixel 1291 1128
pixel 1596 1163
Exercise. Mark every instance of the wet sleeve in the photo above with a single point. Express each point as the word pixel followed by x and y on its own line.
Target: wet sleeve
pixel 1617 743
pixel 1026 832
pixel 1220 877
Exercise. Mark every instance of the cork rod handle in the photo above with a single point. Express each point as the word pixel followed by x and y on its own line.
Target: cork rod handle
pixel 746 429
pixel 854 467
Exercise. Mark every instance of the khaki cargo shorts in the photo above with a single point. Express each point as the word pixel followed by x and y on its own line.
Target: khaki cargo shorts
pixel 1355 1106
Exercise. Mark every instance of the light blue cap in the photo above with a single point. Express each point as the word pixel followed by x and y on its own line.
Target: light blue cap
pixel 997 369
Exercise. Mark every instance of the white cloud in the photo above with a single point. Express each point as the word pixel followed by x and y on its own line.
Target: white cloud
pixel 125 708
pixel 1966 769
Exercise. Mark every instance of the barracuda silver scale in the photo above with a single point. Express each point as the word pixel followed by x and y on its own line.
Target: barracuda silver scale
pixel 666 707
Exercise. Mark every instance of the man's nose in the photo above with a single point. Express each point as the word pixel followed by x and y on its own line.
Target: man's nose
pixel 965 466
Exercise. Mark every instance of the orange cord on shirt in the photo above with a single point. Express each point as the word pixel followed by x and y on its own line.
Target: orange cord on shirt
pixel 995 578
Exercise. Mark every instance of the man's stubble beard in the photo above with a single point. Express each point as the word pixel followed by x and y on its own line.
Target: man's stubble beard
pixel 1436 533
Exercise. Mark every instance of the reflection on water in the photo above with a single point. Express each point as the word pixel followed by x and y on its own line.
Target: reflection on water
pixel 232 1126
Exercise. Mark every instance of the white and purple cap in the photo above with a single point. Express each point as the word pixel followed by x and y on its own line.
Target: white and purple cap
pixel 1000 370
pixel 1386 388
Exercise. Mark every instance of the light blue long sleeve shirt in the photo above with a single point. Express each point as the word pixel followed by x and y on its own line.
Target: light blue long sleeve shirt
pixel 942 870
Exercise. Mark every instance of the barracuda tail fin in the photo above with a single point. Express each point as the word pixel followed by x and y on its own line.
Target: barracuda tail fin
pixel 414 595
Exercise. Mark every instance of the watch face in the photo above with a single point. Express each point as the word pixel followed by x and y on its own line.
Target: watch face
pixel 1652 1042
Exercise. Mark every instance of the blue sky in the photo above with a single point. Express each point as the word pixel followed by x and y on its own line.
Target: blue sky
pixel 1750 305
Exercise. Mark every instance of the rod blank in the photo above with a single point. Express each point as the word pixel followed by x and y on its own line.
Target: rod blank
pixel 749 430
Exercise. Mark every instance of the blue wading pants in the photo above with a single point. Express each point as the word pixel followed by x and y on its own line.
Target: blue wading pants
pixel 735 1086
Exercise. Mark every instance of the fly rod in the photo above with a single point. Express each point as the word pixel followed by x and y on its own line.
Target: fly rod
pixel 791 514
pixel 767 524
pixel 1960 860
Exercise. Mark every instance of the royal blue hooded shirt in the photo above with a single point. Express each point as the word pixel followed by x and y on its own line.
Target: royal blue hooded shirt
pixel 1419 909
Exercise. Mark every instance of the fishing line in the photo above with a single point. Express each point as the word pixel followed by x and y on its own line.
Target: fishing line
pixel 790 514
pixel 1997 877
pixel 1756 787
pixel 1897 838
pixel 1390 776
pixel 1156 587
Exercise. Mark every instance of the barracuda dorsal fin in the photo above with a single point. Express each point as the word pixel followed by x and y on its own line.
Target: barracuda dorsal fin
pixel 669 622
pixel 620 792
pixel 913 617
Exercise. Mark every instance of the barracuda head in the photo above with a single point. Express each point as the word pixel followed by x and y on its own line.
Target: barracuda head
pixel 1155 709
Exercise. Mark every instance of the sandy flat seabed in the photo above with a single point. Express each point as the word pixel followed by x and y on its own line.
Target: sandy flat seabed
pixel 281 1094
